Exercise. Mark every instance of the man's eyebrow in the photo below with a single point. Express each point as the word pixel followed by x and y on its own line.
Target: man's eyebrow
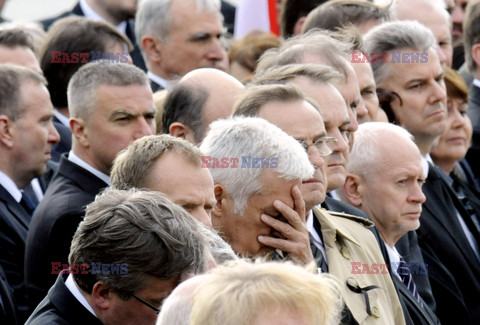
pixel 123 111
pixel 200 36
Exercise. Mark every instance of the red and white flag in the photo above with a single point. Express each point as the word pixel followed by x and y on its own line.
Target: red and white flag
pixel 256 14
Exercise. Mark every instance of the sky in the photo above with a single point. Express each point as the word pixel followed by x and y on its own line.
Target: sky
pixel 34 10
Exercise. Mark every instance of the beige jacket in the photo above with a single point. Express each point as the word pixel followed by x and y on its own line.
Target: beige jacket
pixel 349 245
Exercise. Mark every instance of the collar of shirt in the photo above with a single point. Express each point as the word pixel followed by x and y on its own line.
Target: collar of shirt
pixel 72 287
pixel 10 186
pixel 394 259
pixel 91 14
pixel 62 118
pixel 425 160
pixel 476 82
pixel 159 80
pixel 82 163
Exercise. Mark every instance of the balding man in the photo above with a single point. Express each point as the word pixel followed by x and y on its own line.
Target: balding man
pixel 201 97
pixel 432 14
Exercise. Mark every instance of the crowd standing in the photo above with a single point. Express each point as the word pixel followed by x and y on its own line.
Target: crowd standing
pixel 154 170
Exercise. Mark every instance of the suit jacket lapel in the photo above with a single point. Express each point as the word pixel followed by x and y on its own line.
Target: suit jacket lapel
pixel 15 208
pixel 442 207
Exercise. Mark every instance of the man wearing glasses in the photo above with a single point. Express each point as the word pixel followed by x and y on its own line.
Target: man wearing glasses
pixel 337 240
pixel 132 249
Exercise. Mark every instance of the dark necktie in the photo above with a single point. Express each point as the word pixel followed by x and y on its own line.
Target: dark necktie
pixel 317 253
pixel 407 279
pixel 27 204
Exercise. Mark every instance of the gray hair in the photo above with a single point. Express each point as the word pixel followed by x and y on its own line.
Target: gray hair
pixel 154 17
pixel 365 151
pixel 13 37
pixel 471 32
pixel 219 248
pixel 255 97
pixel 82 87
pixel 12 77
pixel 397 35
pixel 144 231
pixel 133 166
pixel 282 74
pixel 315 42
pixel 243 137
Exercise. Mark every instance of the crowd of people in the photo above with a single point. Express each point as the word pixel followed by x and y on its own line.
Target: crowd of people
pixel 154 170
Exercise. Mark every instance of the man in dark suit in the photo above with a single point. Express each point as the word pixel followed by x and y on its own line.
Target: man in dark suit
pixel 118 13
pixel 114 280
pixel 27 136
pixel 372 185
pixel 110 106
pixel 178 36
pixel 472 57
pixel 446 235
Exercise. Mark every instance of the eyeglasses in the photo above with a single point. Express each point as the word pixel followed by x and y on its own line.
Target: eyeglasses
pixel 146 303
pixel 323 145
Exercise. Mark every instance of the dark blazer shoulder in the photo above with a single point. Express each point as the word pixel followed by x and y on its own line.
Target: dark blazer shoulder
pixel 61 307
pixel 77 10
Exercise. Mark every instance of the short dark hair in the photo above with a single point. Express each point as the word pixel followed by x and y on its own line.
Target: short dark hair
pixel 184 104
pixel 12 77
pixel 13 37
pixel 292 11
pixel 74 35
pixel 337 14
pixel 141 230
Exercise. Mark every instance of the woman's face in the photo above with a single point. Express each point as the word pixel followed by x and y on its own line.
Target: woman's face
pixel 454 142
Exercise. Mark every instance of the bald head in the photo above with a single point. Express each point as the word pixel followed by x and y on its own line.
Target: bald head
pixel 209 93
pixel 432 14
pixel 177 307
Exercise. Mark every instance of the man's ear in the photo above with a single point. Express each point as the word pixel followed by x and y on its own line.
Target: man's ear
pixel 79 131
pixel 101 296
pixel 352 189
pixel 476 56
pixel 180 130
pixel 297 29
pixel 6 131
pixel 152 48
pixel 220 197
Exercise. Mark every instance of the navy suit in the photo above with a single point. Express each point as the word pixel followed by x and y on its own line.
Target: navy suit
pixel 452 261
pixel 54 223
pixel 61 307
pixel 155 87
pixel 473 154
pixel 65 143
pixel 129 32
pixel 14 223
pixel 8 314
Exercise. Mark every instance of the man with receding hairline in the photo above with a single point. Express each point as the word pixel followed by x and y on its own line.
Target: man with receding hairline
pixel 110 106
pixel 27 136
pixel 200 97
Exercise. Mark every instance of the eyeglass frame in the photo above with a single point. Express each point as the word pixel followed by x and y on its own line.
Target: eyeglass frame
pixel 146 303
pixel 329 141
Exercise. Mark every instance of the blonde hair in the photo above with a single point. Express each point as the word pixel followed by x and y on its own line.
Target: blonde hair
pixel 238 292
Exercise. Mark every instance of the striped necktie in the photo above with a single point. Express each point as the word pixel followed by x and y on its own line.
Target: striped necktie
pixel 407 279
